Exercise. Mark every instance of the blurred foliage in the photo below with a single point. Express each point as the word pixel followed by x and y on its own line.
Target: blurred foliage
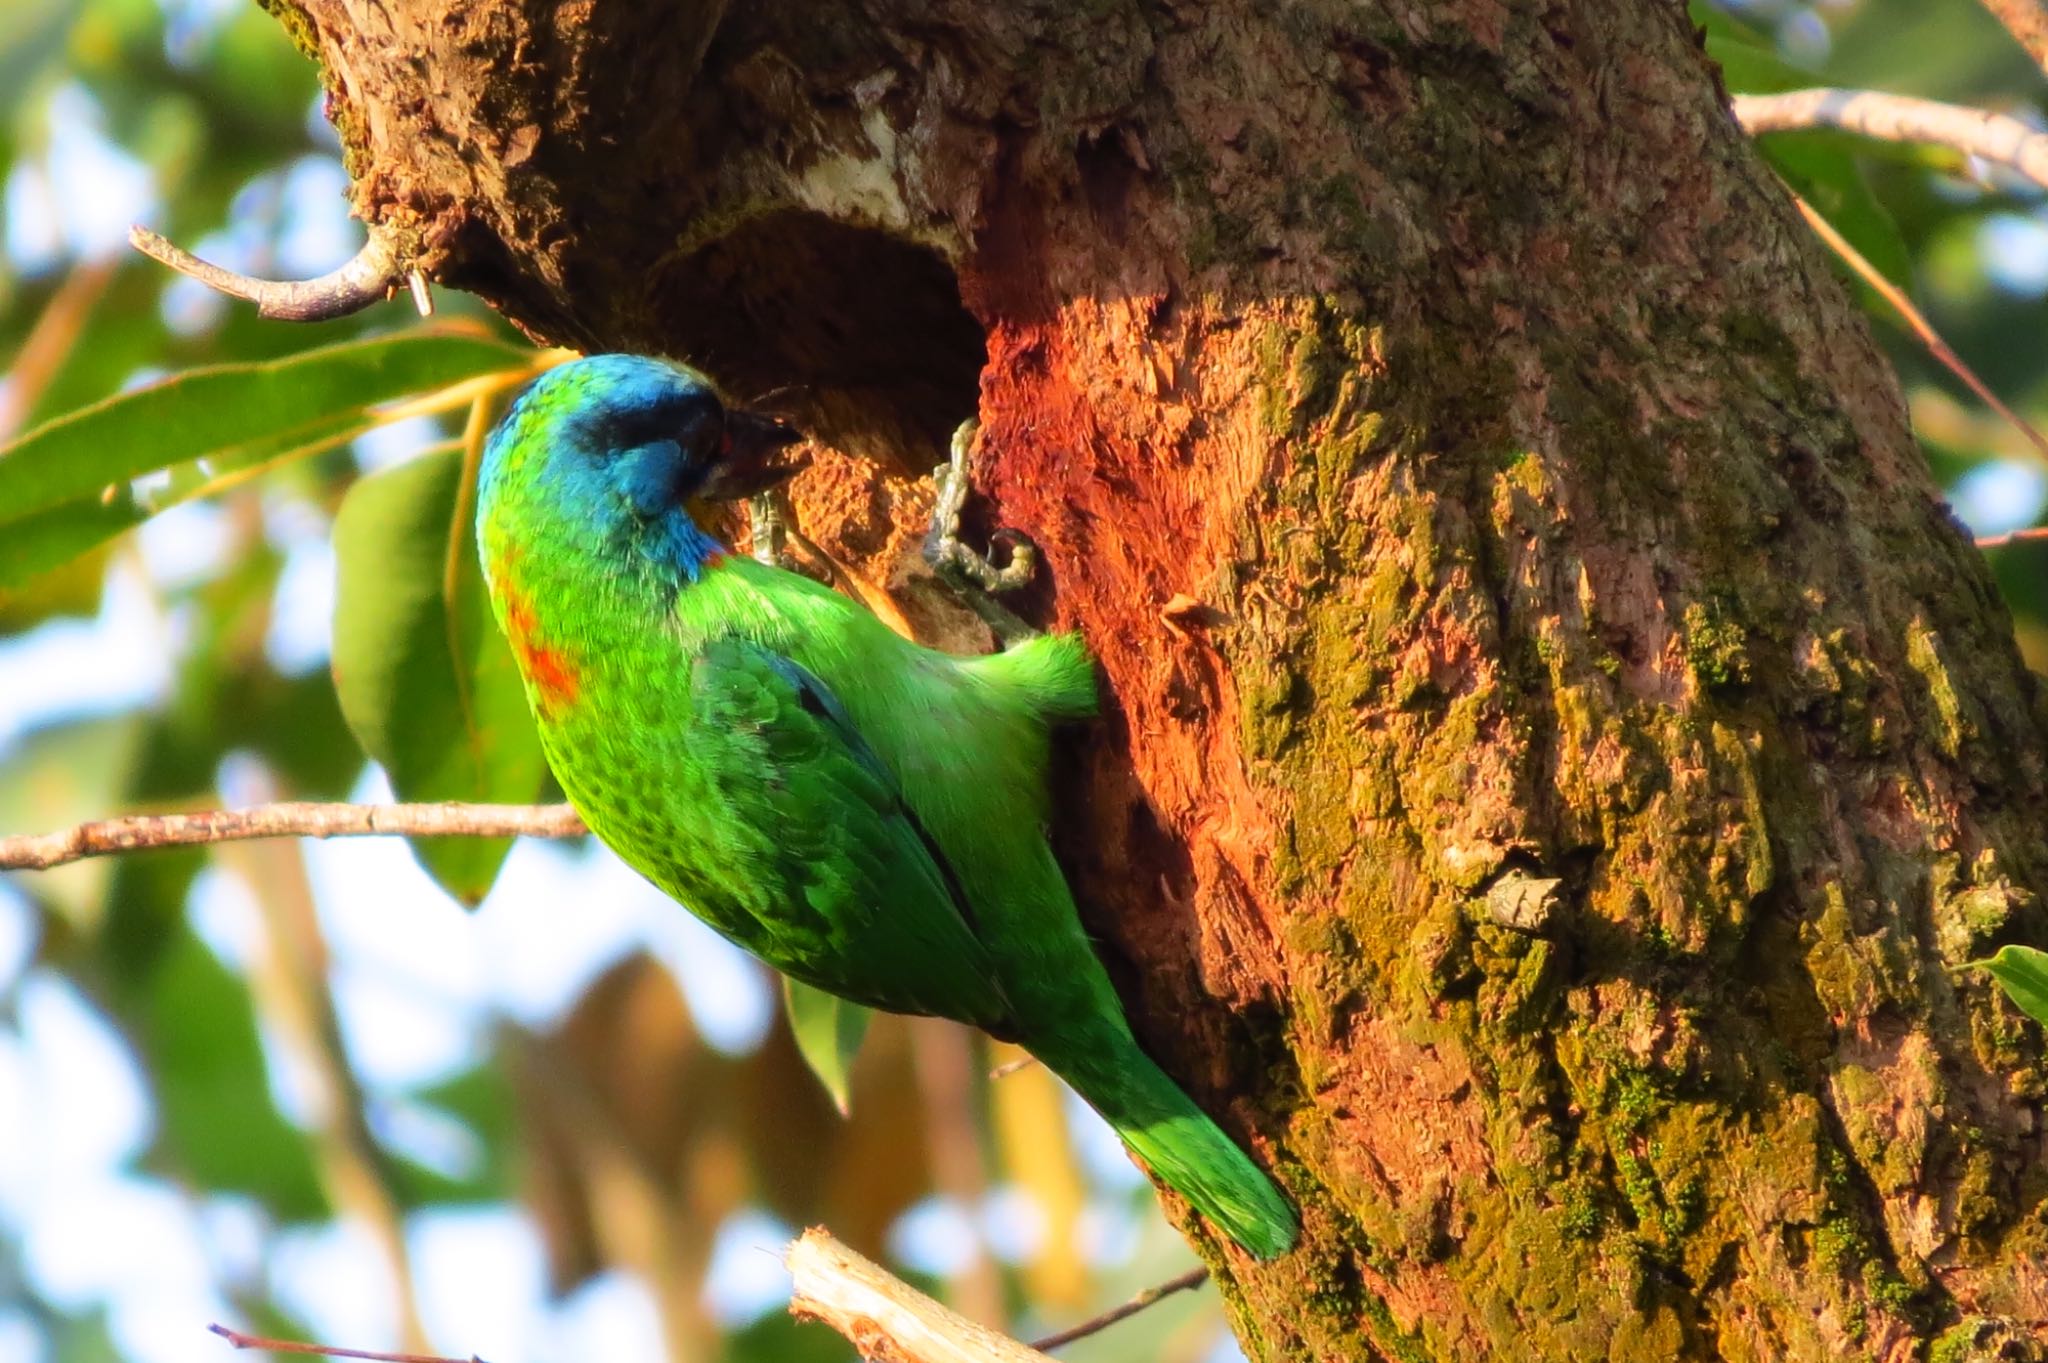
pixel 625 1139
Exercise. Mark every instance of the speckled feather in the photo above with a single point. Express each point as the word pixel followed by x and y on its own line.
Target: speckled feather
pixel 863 813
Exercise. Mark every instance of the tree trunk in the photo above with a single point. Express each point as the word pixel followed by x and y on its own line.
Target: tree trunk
pixel 1471 478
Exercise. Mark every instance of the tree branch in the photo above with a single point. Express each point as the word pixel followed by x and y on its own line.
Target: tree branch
pixel 292 1346
pixel 290 819
pixel 1194 1277
pixel 884 1318
pixel 369 277
pixel 1900 118
pixel 1917 323
pixel 2031 535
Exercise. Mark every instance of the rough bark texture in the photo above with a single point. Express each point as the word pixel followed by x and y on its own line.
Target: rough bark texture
pixel 1469 474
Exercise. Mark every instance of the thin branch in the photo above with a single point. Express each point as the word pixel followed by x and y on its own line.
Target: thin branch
pixel 882 1316
pixel 1917 323
pixel 2027 21
pixel 293 1346
pixel 1193 1278
pixel 1901 118
pixel 290 819
pixel 2032 535
pixel 370 277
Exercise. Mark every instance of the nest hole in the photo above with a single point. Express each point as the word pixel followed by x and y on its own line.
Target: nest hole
pixel 857 335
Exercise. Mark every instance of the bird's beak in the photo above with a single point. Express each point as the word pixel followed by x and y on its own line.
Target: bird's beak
pixel 748 465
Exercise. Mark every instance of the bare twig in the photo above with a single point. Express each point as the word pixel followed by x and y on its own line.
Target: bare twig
pixel 293 1346
pixel 1010 1067
pixel 290 819
pixel 2027 21
pixel 2032 535
pixel 883 1317
pixel 368 278
pixel 1917 323
pixel 1901 118
pixel 1194 1277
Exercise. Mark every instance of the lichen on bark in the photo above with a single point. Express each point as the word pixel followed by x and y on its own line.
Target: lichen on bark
pixel 1545 510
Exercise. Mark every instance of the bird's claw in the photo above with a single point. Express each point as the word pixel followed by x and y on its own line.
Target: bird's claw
pixel 774 531
pixel 973 576
pixel 770 541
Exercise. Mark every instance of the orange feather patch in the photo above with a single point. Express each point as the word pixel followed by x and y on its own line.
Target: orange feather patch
pixel 553 673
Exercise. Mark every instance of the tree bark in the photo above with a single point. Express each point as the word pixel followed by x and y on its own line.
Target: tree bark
pixel 1470 476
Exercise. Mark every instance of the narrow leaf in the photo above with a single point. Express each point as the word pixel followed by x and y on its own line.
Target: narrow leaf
pixel 211 410
pixel 57 534
pixel 425 682
pixel 1749 63
pixel 53 536
pixel 828 1032
pixel 2024 973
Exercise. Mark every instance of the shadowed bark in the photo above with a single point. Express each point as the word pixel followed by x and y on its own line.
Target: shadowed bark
pixel 1471 476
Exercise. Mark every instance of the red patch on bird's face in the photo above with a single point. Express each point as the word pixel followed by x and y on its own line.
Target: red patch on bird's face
pixel 549 668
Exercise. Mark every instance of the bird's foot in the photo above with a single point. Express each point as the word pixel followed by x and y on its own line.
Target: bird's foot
pixel 974 578
pixel 770 534
pixel 773 533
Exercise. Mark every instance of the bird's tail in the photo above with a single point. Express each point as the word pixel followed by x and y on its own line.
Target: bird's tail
pixel 1055 674
pixel 1186 1150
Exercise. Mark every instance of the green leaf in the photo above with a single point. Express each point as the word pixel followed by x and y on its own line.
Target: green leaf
pixel 1749 63
pixel 217 1126
pixel 2024 973
pixel 38 544
pixel 205 412
pixel 1822 169
pixel 828 1033
pixel 426 682
pixel 52 537
pixel 75 591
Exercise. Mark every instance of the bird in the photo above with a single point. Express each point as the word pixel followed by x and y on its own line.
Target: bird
pixel 860 812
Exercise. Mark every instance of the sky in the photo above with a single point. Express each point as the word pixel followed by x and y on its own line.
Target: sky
pixel 417 981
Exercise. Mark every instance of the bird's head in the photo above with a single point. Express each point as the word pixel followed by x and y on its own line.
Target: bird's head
pixel 615 439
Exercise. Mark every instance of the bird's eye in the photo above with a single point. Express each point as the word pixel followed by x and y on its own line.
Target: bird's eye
pixel 699 428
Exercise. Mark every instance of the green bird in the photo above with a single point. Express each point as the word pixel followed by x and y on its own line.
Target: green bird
pixel 863 814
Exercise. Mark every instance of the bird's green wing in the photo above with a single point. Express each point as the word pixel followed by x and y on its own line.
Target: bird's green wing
pixel 821 868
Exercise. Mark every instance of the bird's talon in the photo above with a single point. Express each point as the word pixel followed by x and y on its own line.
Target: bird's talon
pixel 770 532
pixel 973 576
pixel 766 524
